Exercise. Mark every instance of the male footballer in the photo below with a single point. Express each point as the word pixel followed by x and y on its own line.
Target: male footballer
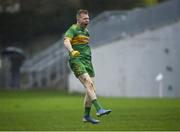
pixel 76 41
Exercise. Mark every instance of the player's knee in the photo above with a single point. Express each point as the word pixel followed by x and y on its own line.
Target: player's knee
pixel 88 82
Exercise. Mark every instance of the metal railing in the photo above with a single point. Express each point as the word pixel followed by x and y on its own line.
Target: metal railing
pixel 113 25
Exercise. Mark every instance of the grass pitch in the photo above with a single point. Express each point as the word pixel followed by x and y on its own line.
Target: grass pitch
pixel 52 110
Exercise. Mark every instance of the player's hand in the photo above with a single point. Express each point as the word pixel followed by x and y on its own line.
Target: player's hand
pixel 75 53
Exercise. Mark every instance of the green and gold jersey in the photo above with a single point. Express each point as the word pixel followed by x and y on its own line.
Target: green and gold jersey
pixel 79 38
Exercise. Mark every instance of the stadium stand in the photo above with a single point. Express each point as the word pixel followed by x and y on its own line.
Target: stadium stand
pixel 49 67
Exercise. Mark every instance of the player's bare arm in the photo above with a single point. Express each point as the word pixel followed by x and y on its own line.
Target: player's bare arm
pixel 68 46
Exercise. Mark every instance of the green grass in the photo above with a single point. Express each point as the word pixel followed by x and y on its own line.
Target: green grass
pixel 52 110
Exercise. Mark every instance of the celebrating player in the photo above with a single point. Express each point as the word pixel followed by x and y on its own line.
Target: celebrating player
pixel 76 41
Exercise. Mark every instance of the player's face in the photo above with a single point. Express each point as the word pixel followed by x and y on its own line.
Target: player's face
pixel 83 20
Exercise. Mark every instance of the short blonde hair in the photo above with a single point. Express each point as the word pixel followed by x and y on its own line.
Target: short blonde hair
pixel 81 11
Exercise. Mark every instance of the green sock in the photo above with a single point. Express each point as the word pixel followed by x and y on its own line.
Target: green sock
pixel 96 104
pixel 87 111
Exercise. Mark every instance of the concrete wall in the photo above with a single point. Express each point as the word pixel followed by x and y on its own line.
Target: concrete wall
pixel 129 67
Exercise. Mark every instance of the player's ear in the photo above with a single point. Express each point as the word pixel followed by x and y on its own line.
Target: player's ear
pixel 78 20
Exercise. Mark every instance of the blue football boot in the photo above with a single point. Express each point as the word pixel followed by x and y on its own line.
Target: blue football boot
pixel 101 112
pixel 90 119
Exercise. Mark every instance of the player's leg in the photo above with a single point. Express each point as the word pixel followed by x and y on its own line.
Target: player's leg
pixel 95 102
pixel 88 84
pixel 88 100
pixel 90 92
pixel 90 88
pixel 87 105
pixel 90 79
pixel 101 111
pixel 78 68
pixel 87 109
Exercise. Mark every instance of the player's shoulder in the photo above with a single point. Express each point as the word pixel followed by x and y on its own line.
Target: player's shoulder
pixel 74 27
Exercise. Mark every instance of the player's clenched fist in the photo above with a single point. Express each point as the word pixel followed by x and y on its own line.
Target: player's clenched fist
pixel 75 53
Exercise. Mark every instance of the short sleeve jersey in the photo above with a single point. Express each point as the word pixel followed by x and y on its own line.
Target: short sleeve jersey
pixel 79 38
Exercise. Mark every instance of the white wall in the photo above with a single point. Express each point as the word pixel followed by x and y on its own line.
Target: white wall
pixel 129 67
